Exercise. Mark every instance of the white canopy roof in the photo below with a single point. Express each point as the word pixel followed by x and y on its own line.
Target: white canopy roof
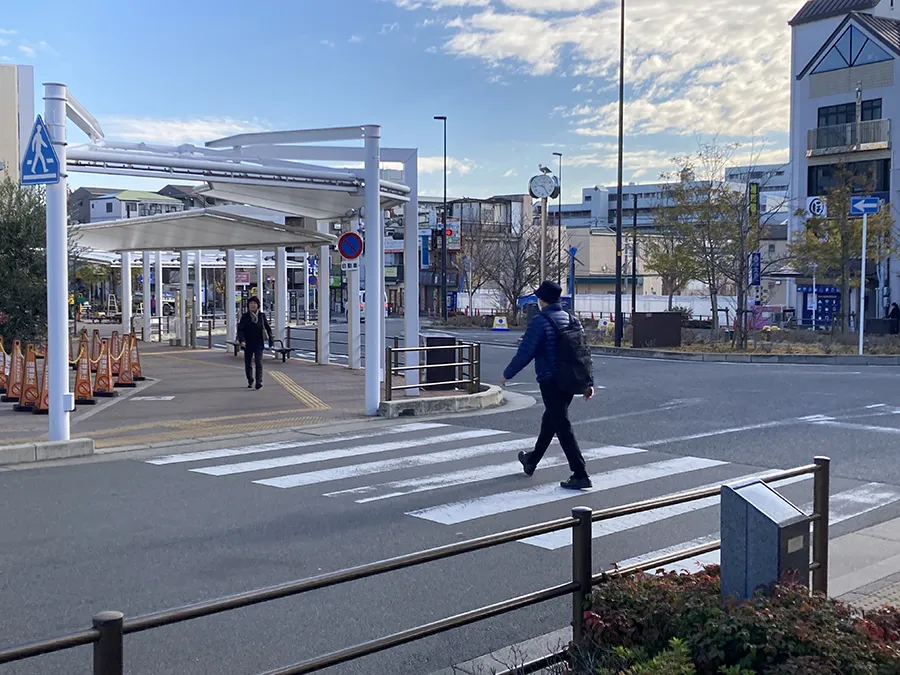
pixel 209 228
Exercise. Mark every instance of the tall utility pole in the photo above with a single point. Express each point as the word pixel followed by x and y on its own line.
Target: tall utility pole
pixel 443 119
pixel 634 257
pixel 559 224
pixel 619 326
pixel 544 207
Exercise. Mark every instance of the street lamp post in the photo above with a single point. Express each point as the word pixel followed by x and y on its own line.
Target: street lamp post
pixel 634 253
pixel 443 119
pixel 559 224
pixel 619 326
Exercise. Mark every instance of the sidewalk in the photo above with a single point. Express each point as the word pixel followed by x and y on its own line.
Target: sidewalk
pixel 202 393
pixel 864 566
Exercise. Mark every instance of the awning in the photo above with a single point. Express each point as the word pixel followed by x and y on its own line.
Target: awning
pixel 196 229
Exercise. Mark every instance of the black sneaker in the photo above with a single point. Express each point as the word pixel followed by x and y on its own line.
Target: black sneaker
pixel 529 468
pixel 576 483
pixel 259 385
pixel 249 385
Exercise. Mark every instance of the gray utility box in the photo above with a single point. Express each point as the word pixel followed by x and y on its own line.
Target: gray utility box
pixel 765 539
pixel 437 371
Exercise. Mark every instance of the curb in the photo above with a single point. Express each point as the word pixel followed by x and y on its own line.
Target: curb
pixel 816 359
pixel 491 396
pixel 29 453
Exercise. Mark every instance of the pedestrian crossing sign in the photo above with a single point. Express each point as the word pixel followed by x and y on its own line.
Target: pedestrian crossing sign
pixel 40 164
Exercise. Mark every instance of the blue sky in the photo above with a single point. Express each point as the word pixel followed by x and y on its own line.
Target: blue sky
pixel 518 79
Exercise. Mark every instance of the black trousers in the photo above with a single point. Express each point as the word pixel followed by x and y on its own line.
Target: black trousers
pixel 556 423
pixel 253 354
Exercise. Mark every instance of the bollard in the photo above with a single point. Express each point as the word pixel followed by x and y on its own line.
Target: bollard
pixel 581 567
pixel 821 489
pixel 388 376
pixel 108 650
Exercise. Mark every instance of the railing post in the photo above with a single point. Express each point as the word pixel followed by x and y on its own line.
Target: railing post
pixel 478 367
pixel 389 375
pixel 396 354
pixel 458 358
pixel 472 388
pixel 581 567
pixel 209 332
pixel 108 650
pixel 821 490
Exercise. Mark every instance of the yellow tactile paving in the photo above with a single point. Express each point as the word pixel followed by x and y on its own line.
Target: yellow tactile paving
pixel 298 392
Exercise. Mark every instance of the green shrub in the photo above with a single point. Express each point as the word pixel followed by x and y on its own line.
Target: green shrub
pixel 782 631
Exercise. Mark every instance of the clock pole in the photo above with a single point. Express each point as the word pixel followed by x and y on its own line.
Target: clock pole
pixel 543 241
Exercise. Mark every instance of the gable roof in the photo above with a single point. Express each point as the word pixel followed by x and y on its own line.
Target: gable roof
pixel 887 31
pixel 139 196
pixel 816 10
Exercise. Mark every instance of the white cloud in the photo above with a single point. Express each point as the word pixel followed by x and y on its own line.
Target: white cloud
pixel 6 31
pixel 578 87
pixel 510 173
pixel 725 73
pixel 28 51
pixel 431 50
pixel 176 131
pixel 327 43
pixel 389 28
pixel 436 165
pixel 355 39
pixel 439 4
pixel 5 58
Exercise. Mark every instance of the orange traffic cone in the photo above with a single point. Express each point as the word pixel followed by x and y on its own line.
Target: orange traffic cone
pixel 42 406
pixel 95 350
pixel 84 344
pixel 126 374
pixel 84 393
pixel 103 384
pixel 30 385
pixel 16 368
pixel 2 368
pixel 115 352
pixel 137 371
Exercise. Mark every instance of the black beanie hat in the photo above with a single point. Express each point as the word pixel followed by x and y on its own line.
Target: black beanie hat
pixel 549 292
pixel 255 299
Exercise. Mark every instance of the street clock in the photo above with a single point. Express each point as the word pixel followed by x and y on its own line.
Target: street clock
pixel 542 186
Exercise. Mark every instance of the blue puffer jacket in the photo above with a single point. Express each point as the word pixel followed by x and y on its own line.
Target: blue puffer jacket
pixel 539 344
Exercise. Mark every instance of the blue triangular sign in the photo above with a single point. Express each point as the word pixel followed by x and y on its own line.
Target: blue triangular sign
pixel 40 164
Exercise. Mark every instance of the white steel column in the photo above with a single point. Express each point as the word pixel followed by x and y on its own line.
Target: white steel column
pixel 127 299
pixel 61 401
pixel 198 296
pixel 411 270
pixel 260 280
pixel 182 302
pixel 230 291
pixel 281 294
pixel 158 285
pixel 324 306
pixel 306 287
pixel 147 290
pixel 354 346
pixel 374 272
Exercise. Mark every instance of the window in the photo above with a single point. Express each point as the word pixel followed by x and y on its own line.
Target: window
pixel 876 174
pixel 109 207
pixel 845 113
pixel 587 198
pixel 771 249
pixel 853 48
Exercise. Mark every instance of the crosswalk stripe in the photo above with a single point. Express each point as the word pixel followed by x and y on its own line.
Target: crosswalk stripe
pixel 557 540
pixel 286 445
pixel 458 512
pixel 466 476
pixel 341 453
pixel 407 462
pixel 843 506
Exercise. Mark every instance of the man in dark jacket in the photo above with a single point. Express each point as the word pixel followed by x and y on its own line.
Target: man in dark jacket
pixel 539 344
pixel 250 335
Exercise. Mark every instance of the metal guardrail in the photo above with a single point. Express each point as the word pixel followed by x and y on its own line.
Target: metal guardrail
pixel 109 628
pixel 468 367
pixel 826 140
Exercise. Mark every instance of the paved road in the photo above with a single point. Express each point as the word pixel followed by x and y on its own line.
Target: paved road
pixel 144 534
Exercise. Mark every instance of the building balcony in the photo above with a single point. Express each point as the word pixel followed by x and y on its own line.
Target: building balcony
pixel 843 138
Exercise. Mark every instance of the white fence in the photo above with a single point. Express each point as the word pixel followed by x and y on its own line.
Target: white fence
pixel 488 301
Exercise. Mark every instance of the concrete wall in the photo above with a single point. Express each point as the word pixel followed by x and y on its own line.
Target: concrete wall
pixel 16 115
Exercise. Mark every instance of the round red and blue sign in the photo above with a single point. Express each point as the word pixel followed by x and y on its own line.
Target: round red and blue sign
pixel 350 245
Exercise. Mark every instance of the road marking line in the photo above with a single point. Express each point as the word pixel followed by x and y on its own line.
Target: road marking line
pixel 844 506
pixel 557 540
pixel 503 502
pixel 718 432
pixel 342 453
pixel 863 427
pixel 466 476
pixel 286 445
pixel 397 464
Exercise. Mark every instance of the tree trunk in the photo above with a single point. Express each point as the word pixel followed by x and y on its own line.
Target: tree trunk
pixel 671 295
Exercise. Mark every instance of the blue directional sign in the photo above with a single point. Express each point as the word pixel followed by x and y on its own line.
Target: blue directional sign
pixel 573 251
pixel 864 205
pixel 755 269
pixel 40 165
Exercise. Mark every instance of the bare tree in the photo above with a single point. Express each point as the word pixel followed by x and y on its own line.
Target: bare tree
pixel 670 257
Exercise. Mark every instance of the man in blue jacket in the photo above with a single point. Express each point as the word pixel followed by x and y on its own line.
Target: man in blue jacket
pixel 539 344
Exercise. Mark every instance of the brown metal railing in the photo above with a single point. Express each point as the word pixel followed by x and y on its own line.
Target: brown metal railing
pixel 109 628
pixel 467 366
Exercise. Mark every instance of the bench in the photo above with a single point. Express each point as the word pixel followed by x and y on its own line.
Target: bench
pixel 282 351
pixel 235 345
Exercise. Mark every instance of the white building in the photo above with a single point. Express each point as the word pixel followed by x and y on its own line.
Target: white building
pixel 16 116
pixel 843 58
pixel 132 204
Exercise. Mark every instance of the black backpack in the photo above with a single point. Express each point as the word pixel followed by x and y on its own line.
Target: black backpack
pixel 574 364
